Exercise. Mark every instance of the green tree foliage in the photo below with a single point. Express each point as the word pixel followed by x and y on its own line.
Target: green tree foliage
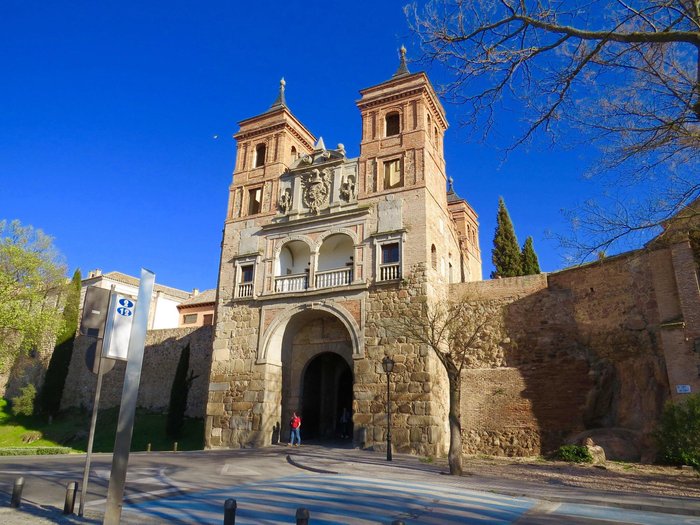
pixel 31 282
pixel 678 434
pixel 51 393
pixel 530 264
pixel 506 256
pixel 178 395
pixel 23 404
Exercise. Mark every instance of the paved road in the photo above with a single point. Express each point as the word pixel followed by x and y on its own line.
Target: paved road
pixel 337 486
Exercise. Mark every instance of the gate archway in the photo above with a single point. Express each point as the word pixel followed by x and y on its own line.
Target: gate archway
pixel 326 390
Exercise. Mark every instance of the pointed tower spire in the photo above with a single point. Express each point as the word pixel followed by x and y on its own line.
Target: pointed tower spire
pixel 280 100
pixel 403 69
pixel 320 145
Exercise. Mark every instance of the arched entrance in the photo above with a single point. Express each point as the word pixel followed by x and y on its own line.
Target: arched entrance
pixel 326 390
pixel 317 377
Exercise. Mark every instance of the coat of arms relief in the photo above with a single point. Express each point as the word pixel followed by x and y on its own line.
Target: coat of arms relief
pixel 316 189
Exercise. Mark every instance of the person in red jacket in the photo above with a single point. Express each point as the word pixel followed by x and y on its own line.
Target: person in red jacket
pixel 294 426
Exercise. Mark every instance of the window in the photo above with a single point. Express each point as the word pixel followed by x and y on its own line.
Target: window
pixel 189 319
pixel 259 155
pixel 390 253
pixel 247 273
pixel 393 124
pixel 294 153
pixel 254 201
pixel 208 319
pixel 436 137
pixel 392 174
pixel 433 257
pixel 244 277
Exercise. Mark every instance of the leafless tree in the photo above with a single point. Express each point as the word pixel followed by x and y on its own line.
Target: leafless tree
pixel 622 73
pixel 454 330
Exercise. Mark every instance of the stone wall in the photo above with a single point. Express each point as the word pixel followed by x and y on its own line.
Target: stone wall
pixel 418 383
pixel 161 355
pixel 579 350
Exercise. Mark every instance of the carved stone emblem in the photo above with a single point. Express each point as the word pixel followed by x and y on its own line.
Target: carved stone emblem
pixel 285 201
pixel 316 189
pixel 347 188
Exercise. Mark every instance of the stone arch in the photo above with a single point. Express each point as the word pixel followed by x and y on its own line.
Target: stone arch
pixel 334 231
pixel 270 351
pixel 302 238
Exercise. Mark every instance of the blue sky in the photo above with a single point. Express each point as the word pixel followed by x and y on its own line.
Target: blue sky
pixel 116 121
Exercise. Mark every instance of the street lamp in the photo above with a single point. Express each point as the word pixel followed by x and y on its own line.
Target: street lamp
pixel 388 366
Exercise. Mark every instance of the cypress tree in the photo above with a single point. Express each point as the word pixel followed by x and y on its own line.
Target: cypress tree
pixel 57 371
pixel 531 265
pixel 178 395
pixel 506 256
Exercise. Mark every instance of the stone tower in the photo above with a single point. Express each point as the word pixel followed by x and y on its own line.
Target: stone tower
pixel 319 250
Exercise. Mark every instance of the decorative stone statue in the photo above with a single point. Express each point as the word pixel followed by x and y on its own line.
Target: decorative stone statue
pixel 285 201
pixel 316 189
pixel 347 188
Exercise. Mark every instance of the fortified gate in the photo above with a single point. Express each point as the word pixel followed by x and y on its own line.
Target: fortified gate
pixel 318 248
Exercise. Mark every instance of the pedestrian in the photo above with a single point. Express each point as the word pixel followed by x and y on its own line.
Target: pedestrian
pixel 294 426
pixel 345 423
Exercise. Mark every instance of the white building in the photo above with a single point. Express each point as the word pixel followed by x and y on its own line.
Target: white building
pixel 163 312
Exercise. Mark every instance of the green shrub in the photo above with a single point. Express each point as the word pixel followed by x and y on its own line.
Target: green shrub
pixel 23 404
pixel 34 451
pixel 678 433
pixel 574 454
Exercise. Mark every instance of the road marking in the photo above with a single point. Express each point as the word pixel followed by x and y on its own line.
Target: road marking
pixel 234 469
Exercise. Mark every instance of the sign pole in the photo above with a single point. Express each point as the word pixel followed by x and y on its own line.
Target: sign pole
pixel 91 438
pixel 127 410
pixel 93 422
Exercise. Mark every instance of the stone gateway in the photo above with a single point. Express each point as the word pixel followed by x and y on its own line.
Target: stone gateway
pixel 320 250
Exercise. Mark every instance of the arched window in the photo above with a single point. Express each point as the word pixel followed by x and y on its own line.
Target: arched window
pixel 433 257
pixel 335 261
pixel 436 137
pixel 393 124
pixel 294 154
pixel 259 155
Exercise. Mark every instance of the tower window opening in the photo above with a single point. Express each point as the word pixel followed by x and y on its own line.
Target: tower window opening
pixel 294 154
pixel 433 257
pixel 254 201
pixel 392 174
pixel 259 155
pixel 393 124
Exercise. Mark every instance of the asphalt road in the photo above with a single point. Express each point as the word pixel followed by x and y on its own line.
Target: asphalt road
pixel 268 485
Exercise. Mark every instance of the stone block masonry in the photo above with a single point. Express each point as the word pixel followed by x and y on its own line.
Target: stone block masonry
pixel 161 355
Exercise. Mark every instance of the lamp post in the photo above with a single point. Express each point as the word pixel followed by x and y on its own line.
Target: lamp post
pixel 388 366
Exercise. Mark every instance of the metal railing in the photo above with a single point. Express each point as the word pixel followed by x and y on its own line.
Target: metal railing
pixel 331 278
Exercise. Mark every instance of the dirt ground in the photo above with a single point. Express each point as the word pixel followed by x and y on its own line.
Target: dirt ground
pixel 612 476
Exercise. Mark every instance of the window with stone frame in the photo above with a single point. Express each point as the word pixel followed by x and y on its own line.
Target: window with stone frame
pixel 392 124
pixel 389 255
pixel 260 151
pixel 393 178
pixel 189 319
pixel 245 275
pixel 254 201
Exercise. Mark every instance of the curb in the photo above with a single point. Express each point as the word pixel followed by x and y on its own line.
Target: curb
pixel 295 463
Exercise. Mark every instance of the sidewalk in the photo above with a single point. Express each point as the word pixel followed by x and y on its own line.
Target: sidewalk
pixel 364 463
